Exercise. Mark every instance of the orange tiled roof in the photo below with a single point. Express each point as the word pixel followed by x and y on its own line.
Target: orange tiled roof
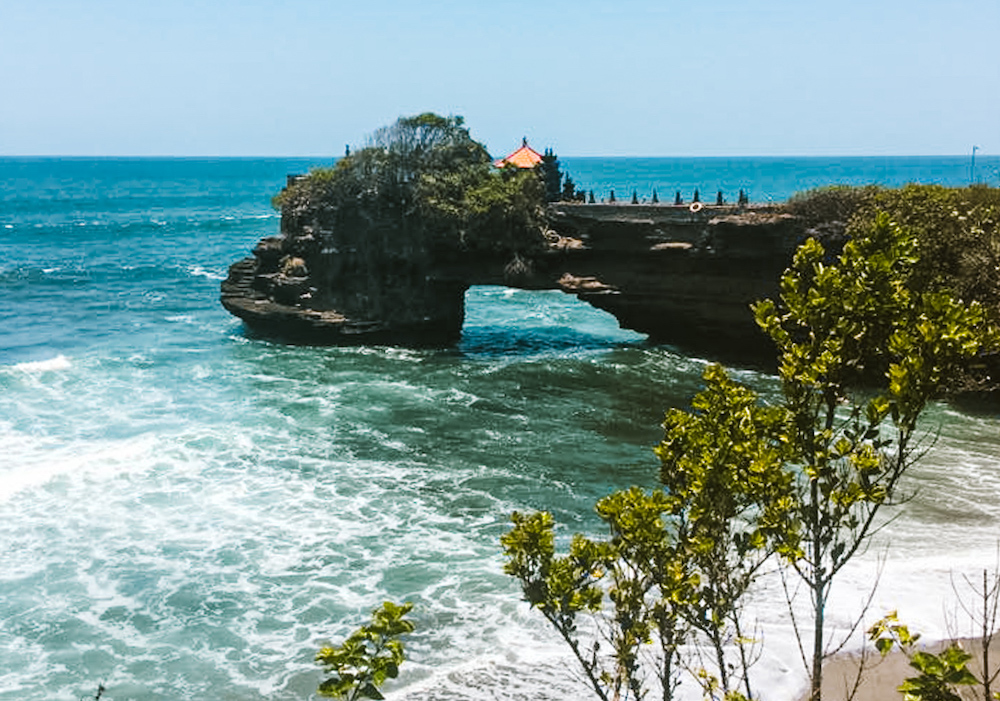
pixel 524 157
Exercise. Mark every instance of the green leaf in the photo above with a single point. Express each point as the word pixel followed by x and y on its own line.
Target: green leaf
pixel 804 474
pixel 368 656
pixel 370 691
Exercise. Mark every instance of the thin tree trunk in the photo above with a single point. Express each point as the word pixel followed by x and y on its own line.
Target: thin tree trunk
pixel 986 641
pixel 720 660
pixel 819 605
pixel 743 656
pixel 818 586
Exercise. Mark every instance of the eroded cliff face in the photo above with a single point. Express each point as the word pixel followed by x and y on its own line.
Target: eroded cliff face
pixel 684 277
pixel 334 276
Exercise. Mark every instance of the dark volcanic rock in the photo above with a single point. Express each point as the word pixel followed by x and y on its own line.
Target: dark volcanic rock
pixel 681 276
pixel 327 280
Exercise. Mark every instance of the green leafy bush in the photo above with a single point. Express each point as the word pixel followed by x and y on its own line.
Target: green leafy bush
pixel 370 656
pixel 940 673
pixel 957 230
pixel 834 203
pixel 957 246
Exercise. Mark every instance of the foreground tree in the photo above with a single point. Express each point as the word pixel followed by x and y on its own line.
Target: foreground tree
pixel 677 563
pixel 860 354
pixel 723 463
pixel 628 592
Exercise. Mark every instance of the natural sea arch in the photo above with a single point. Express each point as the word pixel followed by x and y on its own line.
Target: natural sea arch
pixel 683 277
pixel 499 318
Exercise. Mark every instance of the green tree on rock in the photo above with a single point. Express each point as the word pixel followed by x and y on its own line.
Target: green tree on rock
pixel 426 178
pixel 551 176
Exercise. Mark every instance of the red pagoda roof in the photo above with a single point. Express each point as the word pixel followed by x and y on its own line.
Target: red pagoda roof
pixel 524 157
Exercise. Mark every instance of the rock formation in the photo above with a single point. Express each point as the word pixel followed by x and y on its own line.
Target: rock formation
pixel 682 275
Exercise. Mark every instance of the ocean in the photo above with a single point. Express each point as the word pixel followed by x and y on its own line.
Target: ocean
pixel 190 512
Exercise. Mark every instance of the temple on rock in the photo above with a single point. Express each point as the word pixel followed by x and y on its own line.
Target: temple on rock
pixel 524 157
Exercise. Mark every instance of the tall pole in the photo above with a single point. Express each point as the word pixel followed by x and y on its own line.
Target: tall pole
pixel 972 168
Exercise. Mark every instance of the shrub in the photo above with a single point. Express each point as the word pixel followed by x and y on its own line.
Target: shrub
pixel 368 657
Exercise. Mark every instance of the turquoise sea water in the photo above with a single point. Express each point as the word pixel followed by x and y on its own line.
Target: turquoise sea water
pixel 187 512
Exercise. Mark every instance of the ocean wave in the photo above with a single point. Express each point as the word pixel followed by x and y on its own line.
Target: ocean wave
pixel 60 362
pixel 199 271
pixel 40 459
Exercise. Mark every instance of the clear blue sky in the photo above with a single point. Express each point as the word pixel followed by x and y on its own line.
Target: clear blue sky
pixel 632 77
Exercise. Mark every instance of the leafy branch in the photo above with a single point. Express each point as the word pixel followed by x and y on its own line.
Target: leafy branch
pixel 370 655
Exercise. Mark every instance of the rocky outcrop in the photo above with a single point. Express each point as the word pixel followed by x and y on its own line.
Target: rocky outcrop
pixel 681 276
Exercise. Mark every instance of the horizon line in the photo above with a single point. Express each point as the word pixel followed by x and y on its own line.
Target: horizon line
pixel 980 154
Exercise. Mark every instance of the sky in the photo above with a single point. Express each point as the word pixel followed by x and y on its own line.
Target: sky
pixel 610 78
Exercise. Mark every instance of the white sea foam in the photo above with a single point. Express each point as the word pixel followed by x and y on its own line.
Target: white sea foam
pixel 60 362
pixel 214 519
pixel 199 271
pixel 39 460
pixel 260 530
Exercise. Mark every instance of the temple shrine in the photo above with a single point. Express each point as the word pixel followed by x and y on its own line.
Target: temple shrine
pixel 524 157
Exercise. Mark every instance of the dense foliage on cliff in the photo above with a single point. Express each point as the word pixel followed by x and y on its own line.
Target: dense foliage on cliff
pixel 957 230
pixel 957 233
pixel 426 173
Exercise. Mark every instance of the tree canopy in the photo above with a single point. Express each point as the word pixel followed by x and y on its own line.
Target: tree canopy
pixel 426 175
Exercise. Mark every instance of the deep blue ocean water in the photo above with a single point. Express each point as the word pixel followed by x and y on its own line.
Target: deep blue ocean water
pixel 187 512
pixel 772 179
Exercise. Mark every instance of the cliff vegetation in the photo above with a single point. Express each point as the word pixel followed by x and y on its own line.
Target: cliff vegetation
pixel 426 172
pixel 957 234
pixel 957 230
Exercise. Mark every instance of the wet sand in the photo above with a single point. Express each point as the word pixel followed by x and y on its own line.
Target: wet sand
pixel 882 676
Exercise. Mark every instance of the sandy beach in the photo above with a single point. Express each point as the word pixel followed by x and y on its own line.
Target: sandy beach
pixel 882 676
